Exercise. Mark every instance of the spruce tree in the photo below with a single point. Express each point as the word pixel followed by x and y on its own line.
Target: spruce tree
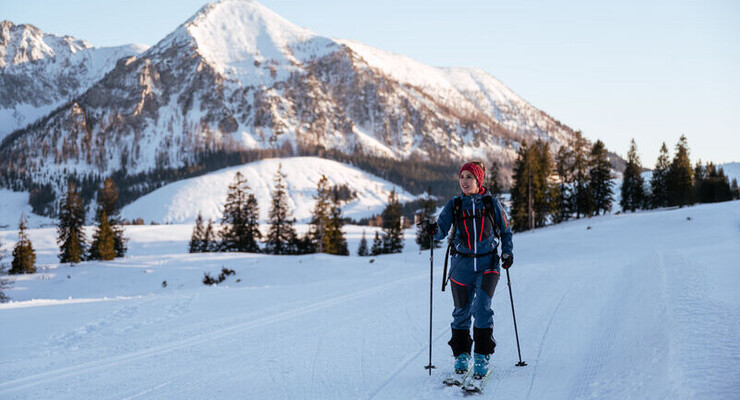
pixel 198 236
pixel 281 236
pixel 564 198
pixel 24 257
pixel 632 190
pixel 582 196
pixel 70 229
pixel 426 215
pixel 681 177
pixel 210 243
pixel 493 182
pixel 320 215
pixel 253 233
pixel 108 201
pixel 377 246
pixel 335 241
pixel 5 283
pixel 234 231
pixel 734 189
pixel 531 190
pixel 362 248
pixel 659 180
pixel 545 191
pixel 392 229
pixel 600 183
pixel 103 244
pixel 712 184
pixel 521 192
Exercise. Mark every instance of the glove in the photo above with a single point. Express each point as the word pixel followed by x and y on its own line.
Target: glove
pixel 507 260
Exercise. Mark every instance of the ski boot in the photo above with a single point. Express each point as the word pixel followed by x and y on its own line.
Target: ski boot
pixel 480 365
pixel 462 363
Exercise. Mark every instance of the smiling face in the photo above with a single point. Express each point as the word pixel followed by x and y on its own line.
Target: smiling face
pixel 468 183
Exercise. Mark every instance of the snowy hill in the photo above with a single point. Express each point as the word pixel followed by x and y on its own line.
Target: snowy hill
pixel 181 201
pixel 639 306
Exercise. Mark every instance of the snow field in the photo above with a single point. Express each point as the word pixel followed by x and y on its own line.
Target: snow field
pixel 639 306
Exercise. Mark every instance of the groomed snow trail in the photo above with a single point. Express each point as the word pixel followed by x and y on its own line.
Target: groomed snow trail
pixel 638 306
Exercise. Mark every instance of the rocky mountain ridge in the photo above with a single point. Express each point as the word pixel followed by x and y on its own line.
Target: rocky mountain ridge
pixel 236 77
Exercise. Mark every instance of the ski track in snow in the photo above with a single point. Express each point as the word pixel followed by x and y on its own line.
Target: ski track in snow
pixel 49 376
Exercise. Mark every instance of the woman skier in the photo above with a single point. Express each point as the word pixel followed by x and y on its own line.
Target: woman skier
pixel 475 269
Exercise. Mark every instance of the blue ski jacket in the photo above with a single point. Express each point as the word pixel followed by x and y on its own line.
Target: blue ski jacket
pixel 475 233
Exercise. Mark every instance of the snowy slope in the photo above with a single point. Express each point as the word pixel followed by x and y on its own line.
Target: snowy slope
pixel 181 201
pixel 640 306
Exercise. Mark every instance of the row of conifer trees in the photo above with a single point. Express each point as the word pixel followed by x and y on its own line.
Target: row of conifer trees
pixel 240 227
pixel 107 242
pixel 578 182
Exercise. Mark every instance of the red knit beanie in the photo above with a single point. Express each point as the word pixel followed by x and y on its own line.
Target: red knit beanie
pixel 474 169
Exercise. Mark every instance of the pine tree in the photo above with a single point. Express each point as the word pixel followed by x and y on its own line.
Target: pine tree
pixel 24 257
pixel 335 241
pixel 426 215
pixel 633 190
pixel 680 177
pixel 659 180
pixel 734 189
pixel 492 182
pixel 253 233
pixel 545 191
pixel 362 248
pixel 281 237
pixel 564 198
pixel 377 246
pixel 521 193
pixel 236 232
pixel 318 226
pixel 392 229
pixel 103 244
pixel 210 244
pixel 70 229
pixel 529 194
pixel 582 196
pixel 712 184
pixel 108 202
pixel 198 236
pixel 5 283
pixel 600 183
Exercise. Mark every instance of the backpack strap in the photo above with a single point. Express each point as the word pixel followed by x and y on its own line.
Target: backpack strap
pixel 488 204
pixel 456 210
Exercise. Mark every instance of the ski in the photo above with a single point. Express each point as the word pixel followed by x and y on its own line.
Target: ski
pixel 457 379
pixel 476 384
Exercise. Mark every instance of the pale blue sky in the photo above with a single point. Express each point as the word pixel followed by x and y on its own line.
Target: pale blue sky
pixel 651 70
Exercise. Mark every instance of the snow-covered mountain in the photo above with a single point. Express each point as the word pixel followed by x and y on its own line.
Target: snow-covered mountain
pixel 181 201
pixel 237 76
pixel 639 306
pixel 40 71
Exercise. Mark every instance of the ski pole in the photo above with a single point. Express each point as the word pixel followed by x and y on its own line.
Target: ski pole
pixel 431 294
pixel 513 314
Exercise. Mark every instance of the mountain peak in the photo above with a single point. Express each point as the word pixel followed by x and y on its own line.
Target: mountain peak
pixel 25 43
pixel 236 35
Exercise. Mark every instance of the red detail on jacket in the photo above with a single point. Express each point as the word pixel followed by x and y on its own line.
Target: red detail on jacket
pixel 466 230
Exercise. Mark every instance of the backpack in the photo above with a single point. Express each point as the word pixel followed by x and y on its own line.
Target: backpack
pixel 456 211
